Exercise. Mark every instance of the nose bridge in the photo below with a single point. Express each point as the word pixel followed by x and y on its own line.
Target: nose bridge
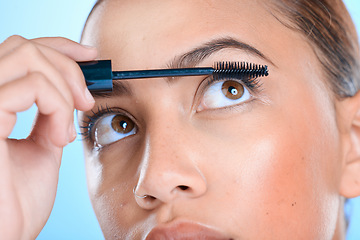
pixel 169 166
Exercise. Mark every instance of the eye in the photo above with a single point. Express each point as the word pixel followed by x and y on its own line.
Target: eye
pixel 111 128
pixel 223 94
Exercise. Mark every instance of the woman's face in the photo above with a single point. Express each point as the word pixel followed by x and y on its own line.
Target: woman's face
pixel 264 166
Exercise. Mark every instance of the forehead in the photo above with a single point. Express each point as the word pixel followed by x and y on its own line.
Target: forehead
pixel 146 33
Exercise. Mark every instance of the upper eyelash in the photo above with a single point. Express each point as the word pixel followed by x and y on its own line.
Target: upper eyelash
pixel 253 84
pixel 87 125
pixel 247 73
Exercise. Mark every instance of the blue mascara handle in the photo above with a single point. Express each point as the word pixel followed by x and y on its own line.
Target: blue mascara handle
pixel 98 75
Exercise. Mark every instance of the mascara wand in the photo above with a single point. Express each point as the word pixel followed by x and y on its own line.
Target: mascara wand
pixel 99 75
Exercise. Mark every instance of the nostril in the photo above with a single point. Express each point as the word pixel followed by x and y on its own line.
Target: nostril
pixel 151 198
pixel 182 187
pixel 147 202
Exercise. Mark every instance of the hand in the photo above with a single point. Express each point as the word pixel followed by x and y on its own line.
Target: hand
pixel 41 71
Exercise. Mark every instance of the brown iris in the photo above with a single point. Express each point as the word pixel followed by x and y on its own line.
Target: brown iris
pixel 122 124
pixel 232 90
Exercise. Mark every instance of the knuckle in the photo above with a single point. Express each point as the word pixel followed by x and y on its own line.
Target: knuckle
pixel 44 87
pixel 38 80
pixel 29 49
pixel 15 38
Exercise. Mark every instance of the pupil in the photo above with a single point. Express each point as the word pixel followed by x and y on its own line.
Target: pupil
pixel 122 124
pixel 233 90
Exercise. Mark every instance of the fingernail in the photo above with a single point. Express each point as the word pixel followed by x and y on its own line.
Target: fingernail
pixel 88 96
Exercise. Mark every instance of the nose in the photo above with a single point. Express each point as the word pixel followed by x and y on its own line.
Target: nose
pixel 170 166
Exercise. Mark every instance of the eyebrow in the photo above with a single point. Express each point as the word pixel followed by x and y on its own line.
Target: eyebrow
pixel 197 55
pixel 188 60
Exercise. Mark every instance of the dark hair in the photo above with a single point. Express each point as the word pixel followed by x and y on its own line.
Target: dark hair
pixel 330 31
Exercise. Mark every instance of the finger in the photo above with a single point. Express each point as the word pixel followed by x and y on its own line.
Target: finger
pixel 10 44
pixel 69 48
pixel 73 75
pixel 28 59
pixel 65 66
pixel 65 46
pixel 55 129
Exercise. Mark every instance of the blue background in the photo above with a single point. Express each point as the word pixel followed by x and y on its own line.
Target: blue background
pixel 72 216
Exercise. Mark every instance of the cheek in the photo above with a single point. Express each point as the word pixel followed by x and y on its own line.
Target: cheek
pixel 277 167
pixel 285 169
pixel 110 185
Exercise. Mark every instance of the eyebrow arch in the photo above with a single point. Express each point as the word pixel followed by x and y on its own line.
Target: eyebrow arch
pixel 188 60
pixel 198 54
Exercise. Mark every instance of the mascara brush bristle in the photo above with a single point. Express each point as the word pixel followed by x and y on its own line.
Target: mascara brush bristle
pixel 239 69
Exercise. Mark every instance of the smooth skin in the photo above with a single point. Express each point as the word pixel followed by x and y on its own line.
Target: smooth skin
pixel 275 167
pixel 41 71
